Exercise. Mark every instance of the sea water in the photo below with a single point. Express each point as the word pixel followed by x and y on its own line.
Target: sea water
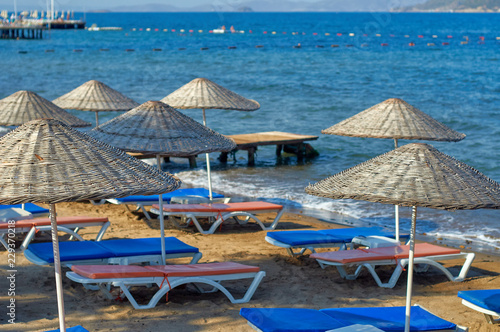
pixel 451 73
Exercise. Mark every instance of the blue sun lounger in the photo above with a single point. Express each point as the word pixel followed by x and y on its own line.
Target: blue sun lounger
pixel 141 201
pixel 486 301
pixel 310 320
pixel 120 251
pixel 327 238
pixel 35 210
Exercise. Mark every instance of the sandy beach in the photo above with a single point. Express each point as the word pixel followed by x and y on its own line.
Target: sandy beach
pixel 290 282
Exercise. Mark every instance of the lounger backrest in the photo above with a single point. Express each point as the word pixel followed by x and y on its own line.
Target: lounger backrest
pixel 220 207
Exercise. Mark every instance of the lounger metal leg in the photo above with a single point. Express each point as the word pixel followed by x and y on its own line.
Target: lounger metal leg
pixel 257 278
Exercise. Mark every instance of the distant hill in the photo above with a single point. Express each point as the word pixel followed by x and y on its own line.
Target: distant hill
pixel 272 6
pixel 468 6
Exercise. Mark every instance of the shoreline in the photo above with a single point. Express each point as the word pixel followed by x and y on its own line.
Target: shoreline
pixel 289 282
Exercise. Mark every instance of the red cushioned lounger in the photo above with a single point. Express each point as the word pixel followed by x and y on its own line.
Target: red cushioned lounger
pixel 70 225
pixel 220 212
pixel 167 277
pixel 426 255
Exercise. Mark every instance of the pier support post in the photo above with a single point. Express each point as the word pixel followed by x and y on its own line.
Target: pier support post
pixel 251 156
pixel 192 161
pixel 279 147
pixel 223 157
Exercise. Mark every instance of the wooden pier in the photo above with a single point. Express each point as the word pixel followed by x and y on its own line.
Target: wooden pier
pixel 21 32
pixel 288 142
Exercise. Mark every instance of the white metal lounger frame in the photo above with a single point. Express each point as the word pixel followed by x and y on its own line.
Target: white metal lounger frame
pixel 304 247
pixel 219 218
pixel 71 229
pixel 212 280
pixel 400 264
pixel 126 260
pixel 488 314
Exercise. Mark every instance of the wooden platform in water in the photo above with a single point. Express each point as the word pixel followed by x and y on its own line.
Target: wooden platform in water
pixel 251 142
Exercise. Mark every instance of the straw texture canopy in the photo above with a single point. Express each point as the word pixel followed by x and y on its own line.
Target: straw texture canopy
pixel 394 118
pixel 95 96
pixel 49 162
pixel 158 128
pixel 413 175
pixel 205 94
pixel 24 106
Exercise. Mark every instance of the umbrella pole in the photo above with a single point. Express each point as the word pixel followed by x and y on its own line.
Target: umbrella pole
pixel 210 196
pixel 410 268
pixel 57 268
pixel 96 118
pixel 162 217
pixel 396 207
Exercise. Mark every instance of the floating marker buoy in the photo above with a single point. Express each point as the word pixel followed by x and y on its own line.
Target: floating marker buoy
pixel 384 44
pixel 434 36
pixel 378 35
pixel 430 44
pixel 284 32
pixel 274 32
pixel 349 45
pixel 250 31
pixel 165 30
pixel 148 29
pixel 173 30
pixel 204 48
pixel 446 43
pixel 407 36
pixel 140 29
pixel 49 51
pixel 351 34
pixel 77 51
pixel 134 29
pixel 339 34
pixel 210 31
pixel 129 50
pixel 181 30
pixel 157 29
pixel 265 32
pixel 392 36
pixel 327 34
pixel 464 42
pixel 157 49
pixel 232 47
pixel 411 44
pixel 182 48
pixel 200 31
pixel 191 31
pixel 335 45
pixel 104 49
pixel 498 38
pixel 420 36
pixel 315 33
pixel 449 37
pixel 259 46
pixel 481 38
pixel 319 46
pixel 365 35
pixel 364 45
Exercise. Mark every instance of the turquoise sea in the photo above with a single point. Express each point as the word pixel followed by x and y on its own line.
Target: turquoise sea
pixel 452 73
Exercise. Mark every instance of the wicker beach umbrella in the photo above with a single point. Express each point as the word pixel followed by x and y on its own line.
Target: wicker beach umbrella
pixel 24 106
pixel 156 128
pixel 46 161
pixel 413 175
pixel 96 97
pixel 394 118
pixel 204 94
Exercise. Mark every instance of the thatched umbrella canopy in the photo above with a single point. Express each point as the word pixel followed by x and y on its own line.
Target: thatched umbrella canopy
pixel 394 118
pixel 156 128
pixel 204 94
pixel 46 161
pixel 24 106
pixel 413 175
pixel 97 97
